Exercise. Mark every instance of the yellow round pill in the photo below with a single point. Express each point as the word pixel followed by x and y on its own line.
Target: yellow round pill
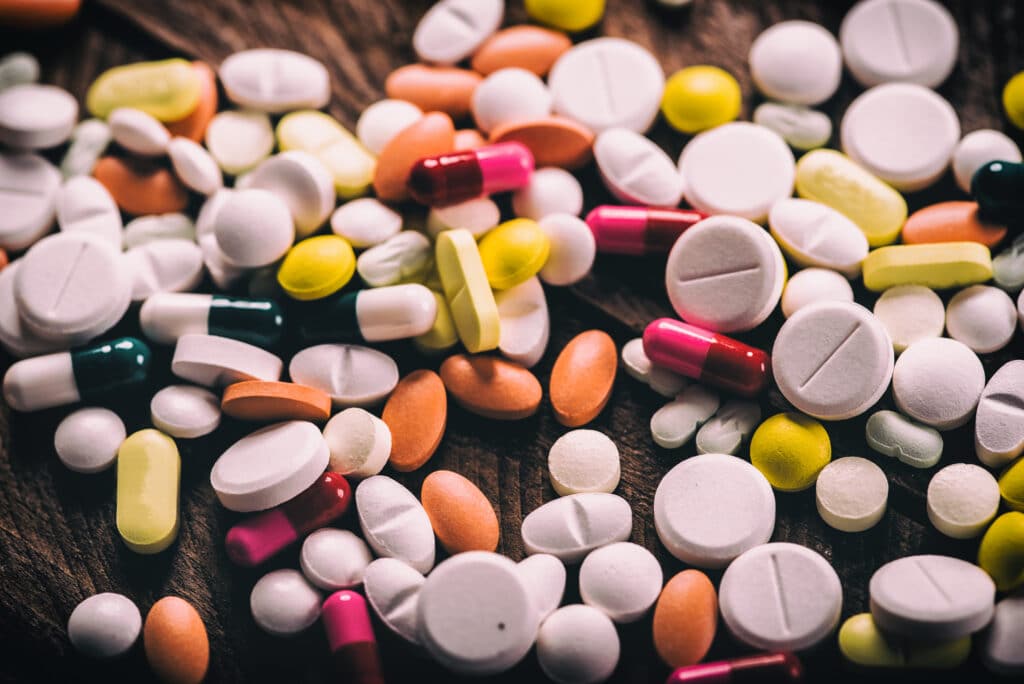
pixel 701 97
pixel 317 267
pixel 790 450
pixel 568 15
pixel 514 252
pixel 1011 485
pixel 1001 553
pixel 1013 100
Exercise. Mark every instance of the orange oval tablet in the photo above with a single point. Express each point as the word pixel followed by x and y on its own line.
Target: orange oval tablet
pixel 273 401
pixel 194 125
pixel 951 222
pixel 685 618
pixel 175 642
pixel 460 514
pixel 554 140
pixel 491 387
pixel 33 14
pixel 433 134
pixel 527 47
pixel 582 378
pixel 416 413
pixel 434 88
pixel 141 188
pixel 468 139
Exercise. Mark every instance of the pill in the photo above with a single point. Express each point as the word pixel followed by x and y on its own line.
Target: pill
pixel 999 552
pixel 168 90
pixel 253 228
pixel 219 361
pixel 165 317
pixel 862 643
pixel 350 637
pixel 622 580
pixel 316 267
pixel 452 30
pixel 910 313
pixel 164 266
pixel 982 317
pixel 582 378
pixel 275 401
pixel 194 125
pixel 87 440
pixel 86 374
pixel 635 170
pixel 392 588
pixel 572 526
pixel 147 229
pixel 549 191
pixel 914 41
pixel 553 141
pixel 383 120
pixel 359 442
pixel 525 323
pixel 141 188
pixel 780 596
pixel 802 128
pixel 781 667
pixel 790 450
pixel 459 513
pixel 639 230
pixel 532 48
pixel 675 423
pixel 509 96
pixel 350 374
pixel 999 421
pixel 571 252
pixel 1001 650
pixel 491 387
pixel 334 559
pixel 431 136
pixel 83 204
pixel 468 139
pixel 658 378
pixel 375 315
pixel 938 266
pixel 303 182
pixel 797 62
pixel 138 132
pixel 566 15
pixel 196 167
pixel 104 625
pixel 577 644
pixel 896 436
pixel 513 252
pixel 454 177
pixel 813 285
pixel 978 148
pixel 583 461
pixel 1008 267
pixel 365 222
pixel 544 578
pixel 938 382
pixel 434 88
pixel 177 647
pixel 700 97
pixel 14 336
pixel 467 290
pixel 275 81
pixel 284 603
pixel 89 140
pixel 729 429
pixel 34 116
pixel 407 256
pixel 951 222
pixel 685 619
pixel 1013 102
pixel 705 356
pixel 148 470
pixel 709 509
pixel 962 500
pixel 813 234
pixel 18 68
pixel 851 494
pixel 1011 485
pixel 608 82
pixel 416 413
pixel 224 275
pixel 995 186
pixel 394 523
pixel 239 140
pixel 185 411
pixel 931 598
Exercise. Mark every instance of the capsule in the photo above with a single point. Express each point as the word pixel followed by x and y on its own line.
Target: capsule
pixel 459 176
pixel 350 636
pixel 998 188
pixel 375 315
pixel 639 230
pixel 85 374
pixel 148 473
pixel 763 668
pixel 712 358
pixel 166 316
pixel 256 539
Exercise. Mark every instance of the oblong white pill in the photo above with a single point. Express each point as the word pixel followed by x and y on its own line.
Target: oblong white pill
pixel 999 421
pixel 275 81
pixel 283 603
pixel 910 313
pixel 253 228
pixel 138 132
pixel 185 411
pixel 896 436
pixel 544 578
pixel 674 424
pixel 962 500
pixel 89 140
pixel 573 249
pixel 28 192
pixel 622 580
pixel 660 379
pixel 982 317
pixel 796 61
pixel 302 182
pixel 394 523
pixel 392 589
pixel 813 285
pixel 452 30
pixel 938 381
pixel 334 559
pixel 164 266
pixel 87 440
pixel 802 128
pixel 812 234
pixel 404 257
pixel 550 190
pixel 1001 651
pixel 477 216
pixel 729 429
pixel 509 96
pixel 104 625
pixel 578 645
pixel 195 167
pixel 365 222
pixel 35 117
pixel 158 227
pixel 84 204
pixel 353 375
pixel 583 461
pixel 359 441
pixel 571 526
pixel 636 170
pixel 383 120
pixel 239 140
pixel 525 323
pixel 978 148
pixel 851 494
pixel 219 361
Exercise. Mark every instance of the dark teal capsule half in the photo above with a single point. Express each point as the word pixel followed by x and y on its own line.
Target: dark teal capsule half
pixel 998 188
pixel 256 321
pixel 102 368
pixel 333 320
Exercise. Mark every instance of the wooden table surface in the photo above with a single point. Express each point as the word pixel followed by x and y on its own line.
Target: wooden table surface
pixel 59 544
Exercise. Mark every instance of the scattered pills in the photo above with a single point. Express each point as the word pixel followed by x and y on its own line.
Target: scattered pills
pixel 729 429
pixel 899 437
pixel 284 603
pixel 219 361
pixel 275 81
pixel 239 140
pixel 452 30
pixel 910 313
pixel 797 62
pixel 175 640
pixel 583 461
pixel 87 440
pixel 104 625
pixel 577 644
pixel 550 191
pixel 851 494
pixel 675 423
pixel 83 204
pixel 29 187
pixel 572 526
pixel 334 559
pixel 938 382
pixel 813 285
pixel 509 96
pixel 790 450
pixel 394 523
pixel 544 577
pixel 999 420
pixel 982 317
pixel 962 499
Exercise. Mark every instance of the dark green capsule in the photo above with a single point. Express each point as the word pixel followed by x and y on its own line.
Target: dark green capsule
pixel 256 321
pixel 998 188
pixel 103 368
pixel 333 320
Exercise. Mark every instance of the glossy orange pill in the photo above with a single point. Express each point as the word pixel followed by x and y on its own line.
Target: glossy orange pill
pixel 491 387
pixel 460 514
pixel 4 260
pixel 951 222
pixel 431 135
pixel 194 125
pixel 554 140
pixel 582 378
pixel 468 139
pixel 175 642
pixel 37 13
pixel 527 47
pixel 685 618
pixel 434 88
pixel 141 188
pixel 416 413
pixel 273 401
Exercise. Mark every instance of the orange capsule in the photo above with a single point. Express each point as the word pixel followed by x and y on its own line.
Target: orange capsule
pixel 175 642
pixel 685 618
pixel 140 188
pixel 416 413
pixel 432 135
pixel 434 88
pixel 194 125
pixel 459 512
pixel 528 47
pixel 582 378
pixel 274 401
pixel 951 222
pixel 32 14
pixel 554 140
pixel 491 387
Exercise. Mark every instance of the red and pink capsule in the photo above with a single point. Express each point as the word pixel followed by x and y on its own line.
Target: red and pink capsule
pixel 639 230
pixel 763 668
pixel 459 176
pixel 350 636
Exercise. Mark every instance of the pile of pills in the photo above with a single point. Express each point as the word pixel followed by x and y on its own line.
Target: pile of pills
pixel 308 232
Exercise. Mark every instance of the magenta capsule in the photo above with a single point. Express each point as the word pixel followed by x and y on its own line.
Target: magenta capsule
pixel 350 636
pixel 706 356
pixel 639 230
pixel 763 668
pixel 459 176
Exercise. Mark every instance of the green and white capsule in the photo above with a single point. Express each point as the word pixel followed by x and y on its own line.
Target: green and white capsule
pixel 166 316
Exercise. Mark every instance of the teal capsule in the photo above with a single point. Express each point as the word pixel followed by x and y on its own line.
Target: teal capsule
pixel 84 374
pixel 998 188
pixel 166 316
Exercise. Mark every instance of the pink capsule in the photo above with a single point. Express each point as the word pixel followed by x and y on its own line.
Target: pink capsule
pixel 639 230
pixel 763 668
pixel 350 636
pixel 459 176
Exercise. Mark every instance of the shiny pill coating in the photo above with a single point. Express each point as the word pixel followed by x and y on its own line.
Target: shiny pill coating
pixel 455 177
pixel 167 316
pixel 374 315
pixel 762 668
pixel 177 647
pixel 639 230
pixel 350 637
pixel 148 471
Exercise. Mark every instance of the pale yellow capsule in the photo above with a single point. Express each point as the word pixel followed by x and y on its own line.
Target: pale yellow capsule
pixel 466 288
pixel 862 643
pixel 168 90
pixel 148 471
pixel 443 335
pixel 351 164
pixel 938 265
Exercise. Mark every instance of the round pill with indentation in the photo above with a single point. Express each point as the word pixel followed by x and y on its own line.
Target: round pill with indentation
pixel 812 234
pixel 462 517
pixel 622 580
pixel 273 401
pixel 910 313
pixel 572 526
pixel 284 603
pixel 790 449
pixel 353 375
pixel 491 387
pixel 577 645
pixel 685 619
pixel 962 500
pixel 334 559
pixel 392 589
pixel 175 641
pixel 999 420
pixel 982 317
pixel 938 381
pixel 416 413
pixel 359 441
pixel 582 378
pixel 394 523
pixel 532 48
pixel 813 285
pixel 673 424
pixel 451 30
pixel 87 440
pixel 104 625
pixel 185 411
pixel 583 461
pixel 636 170
pixel 851 494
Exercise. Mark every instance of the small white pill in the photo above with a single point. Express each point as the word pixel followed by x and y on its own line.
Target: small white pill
pixel 164 266
pixel 802 128
pixel 185 411
pixel 35 117
pixel 851 494
pixel 583 461
pixel 359 441
pixel 812 234
pixel 525 323
pixel 572 526
pixel 982 317
pixel 89 140
pixel 383 120
pixel 813 285
pixel 138 132
pixel 674 424
pixel 334 559
pixel 84 204
pixel 394 523
pixel 978 148
pixel 452 30
pixel 223 274
pixel 28 193
pixel 999 421
pixel 18 68
pixel 962 500
pixel 572 249
pixel 104 625
pixel 543 575
pixel 661 380
pixel 730 428
pixel 509 96
pixel 253 228
pixel 1001 651
pixel 622 580
pixel 1008 266
pixel 551 190
pixel 896 436
pixel 283 603
pixel 87 440
pixel 239 140
pixel 636 170
pixel 275 81
pixel 477 216
pixel 405 257
pixel 302 182
pixel 392 589
pixel 365 222
pixel 217 361
pixel 196 167
pixel 351 374
pixel 938 381
pixel 797 62
pixel 578 645
pixel 910 313
pixel 158 227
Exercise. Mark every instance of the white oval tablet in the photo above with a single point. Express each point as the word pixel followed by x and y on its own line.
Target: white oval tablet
pixel 812 234
pixel 84 204
pixel 104 625
pixel 544 578
pixel 797 62
pixel 938 381
pixel 931 598
pixel 978 148
pixel 302 182
pixel 283 603
pixel 674 424
pixel 185 411
pixel 982 317
pixel 35 117
pixel 164 266
pixel 962 500
pixel 392 589
pixel 351 374
pixel 270 466
pixel 573 249
pixel 636 170
pixel 452 30
pixel 87 440
pixel 572 526
pixel 138 132
pixel 239 140
pixel 394 523
pixel 813 285
pixel 89 140
pixel 780 597
pixel 28 192
pixel 851 494
pixel 383 120
pixel 832 360
pixel 1001 651
pixel 365 222
pixel 622 580
pixel 910 313
pixel 583 461
pixel 253 228
pixel 525 323
pixel 405 257
pixel 194 166
pixel 359 441
pixel 660 379
pixel 334 559
pixel 158 227
pixel 220 361
pixel 999 421
pixel 896 436
pixel 730 428
pixel 802 128
pixel 550 190
pixel 15 337
pixel 477 216
pixel 578 645
pixel 275 81
pixel 711 508
pixel 738 168
pixel 606 83
pixel 509 96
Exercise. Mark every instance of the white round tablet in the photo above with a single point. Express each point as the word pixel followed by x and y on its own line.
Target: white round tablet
pixel 104 625
pixel 578 645
pixel 477 216
pixel 253 228
pixel 813 285
pixel 999 421
pixel 14 336
pixel 901 132
pixel 394 523
pixel 87 440
pixel 35 117
pixel 797 62
pixel 550 190
pixel 711 508
pixel 302 182
pixel 196 167
pixel 938 381
pixel 801 127
pixel 982 317
pixel 28 192
pixel 583 461
pixel 359 441
pixel 509 96
pixel 573 249
pixel 392 589
pixel 738 168
pixel 138 132
pixel 283 603
pixel 910 313
pixel 544 578
pixel 352 374
pixel 962 500
pixel 635 170
pixel 185 411
pixel 239 140
pixel 780 597
pixel 452 30
pixel 334 559
pixel 832 360
pixel 812 234
pixel 365 222
pixel 674 424
pixel 978 148
pixel 851 494
pixel 622 580
pixel 572 526
pixel 383 120
pixel 525 322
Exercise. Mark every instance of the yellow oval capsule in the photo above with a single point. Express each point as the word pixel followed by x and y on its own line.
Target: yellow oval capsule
pixel 317 267
pixel 938 265
pixel 168 90
pixel 514 252
pixel 835 180
pixel 862 643
pixel 466 288
pixel 1001 553
pixel 148 470
pixel 351 164
pixel 443 335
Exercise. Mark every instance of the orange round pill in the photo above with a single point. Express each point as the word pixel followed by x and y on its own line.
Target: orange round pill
pixel 194 125
pixel 431 135
pixel 175 642
pixel 528 47
pixel 460 514
pixel 416 413
pixel 141 188
pixel 951 222
pixel 554 140
pixel 33 14
pixel 273 401
pixel 685 619
pixel 491 387
pixel 582 378
pixel 434 88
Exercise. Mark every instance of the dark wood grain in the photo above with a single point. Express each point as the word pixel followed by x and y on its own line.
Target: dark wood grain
pixel 59 544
